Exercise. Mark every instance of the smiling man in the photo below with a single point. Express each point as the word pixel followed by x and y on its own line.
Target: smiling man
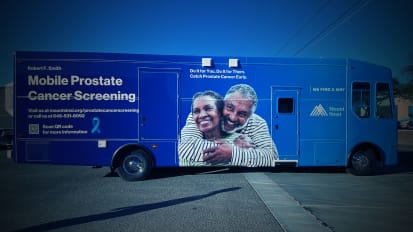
pixel 237 117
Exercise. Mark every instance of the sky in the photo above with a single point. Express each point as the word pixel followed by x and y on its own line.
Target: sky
pixel 377 31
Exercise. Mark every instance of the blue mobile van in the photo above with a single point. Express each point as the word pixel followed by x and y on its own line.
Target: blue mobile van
pixel 133 112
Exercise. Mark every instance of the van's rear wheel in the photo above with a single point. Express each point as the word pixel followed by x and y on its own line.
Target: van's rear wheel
pixel 135 165
pixel 362 162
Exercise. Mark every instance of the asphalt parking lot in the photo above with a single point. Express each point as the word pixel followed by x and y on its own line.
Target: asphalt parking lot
pixel 76 198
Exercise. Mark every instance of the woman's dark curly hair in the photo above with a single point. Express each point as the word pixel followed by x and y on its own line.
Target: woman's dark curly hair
pixel 219 100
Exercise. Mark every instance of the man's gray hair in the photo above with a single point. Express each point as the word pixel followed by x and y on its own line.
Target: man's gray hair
pixel 246 91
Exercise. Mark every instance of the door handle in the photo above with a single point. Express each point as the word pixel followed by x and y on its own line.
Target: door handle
pixel 143 121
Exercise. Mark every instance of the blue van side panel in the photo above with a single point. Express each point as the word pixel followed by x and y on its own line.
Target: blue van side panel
pixel 146 99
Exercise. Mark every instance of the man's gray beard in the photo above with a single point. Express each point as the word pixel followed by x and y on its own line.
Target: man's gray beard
pixel 235 129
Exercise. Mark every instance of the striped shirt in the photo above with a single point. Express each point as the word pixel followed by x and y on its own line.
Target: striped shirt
pixel 191 145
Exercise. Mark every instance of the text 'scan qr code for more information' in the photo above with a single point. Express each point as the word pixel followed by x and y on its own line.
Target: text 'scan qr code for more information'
pixel 34 129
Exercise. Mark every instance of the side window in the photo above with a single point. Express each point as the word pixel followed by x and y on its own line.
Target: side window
pixel 383 103
pixel 361 99
pixel 285 105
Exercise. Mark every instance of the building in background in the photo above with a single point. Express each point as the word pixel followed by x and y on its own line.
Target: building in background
pixel 404 110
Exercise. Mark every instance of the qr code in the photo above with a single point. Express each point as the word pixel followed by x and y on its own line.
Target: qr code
pixel 34 129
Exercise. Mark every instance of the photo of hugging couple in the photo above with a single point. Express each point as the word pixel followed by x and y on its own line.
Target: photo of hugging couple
pixel 225 131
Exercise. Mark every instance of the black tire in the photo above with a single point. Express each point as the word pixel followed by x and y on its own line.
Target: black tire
pixel 362 162
pixel 135 166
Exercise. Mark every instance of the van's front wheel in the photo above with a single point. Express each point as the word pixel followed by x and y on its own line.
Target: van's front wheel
pixel 362 162
pixel 135 165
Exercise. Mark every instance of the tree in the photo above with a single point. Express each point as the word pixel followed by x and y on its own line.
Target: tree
pixel 404 90
pixel 396 87
pixel 409 70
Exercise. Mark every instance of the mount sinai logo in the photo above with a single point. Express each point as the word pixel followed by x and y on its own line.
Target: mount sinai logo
pixel 330 111
pixel 319 111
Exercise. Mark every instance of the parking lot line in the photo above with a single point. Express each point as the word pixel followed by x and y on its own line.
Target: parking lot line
pixel 286 210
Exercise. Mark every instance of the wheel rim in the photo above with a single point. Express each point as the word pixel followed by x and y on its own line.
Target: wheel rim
pixel 360 161
pixel 133 165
